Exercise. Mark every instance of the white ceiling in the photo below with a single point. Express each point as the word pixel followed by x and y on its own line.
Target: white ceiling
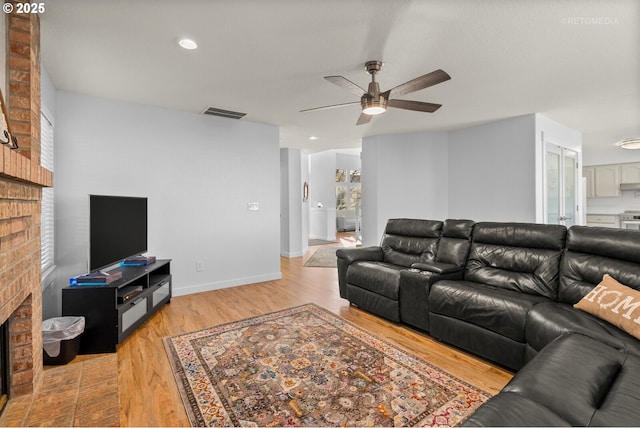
pixel 575 61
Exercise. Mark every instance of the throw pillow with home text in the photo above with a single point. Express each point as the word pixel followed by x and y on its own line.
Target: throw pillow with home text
pixel 615 303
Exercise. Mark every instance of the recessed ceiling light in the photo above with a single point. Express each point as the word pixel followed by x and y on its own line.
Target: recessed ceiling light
pixel 313 137
pixel 187 44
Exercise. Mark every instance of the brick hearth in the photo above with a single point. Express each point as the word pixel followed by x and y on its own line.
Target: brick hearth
pixel 21 182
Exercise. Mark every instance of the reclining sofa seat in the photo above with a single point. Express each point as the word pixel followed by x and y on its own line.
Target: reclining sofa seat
pixel 511 268
pixel 370 277
pixel 590 253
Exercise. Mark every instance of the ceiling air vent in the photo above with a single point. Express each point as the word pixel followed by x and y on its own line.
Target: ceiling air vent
pixel 213 111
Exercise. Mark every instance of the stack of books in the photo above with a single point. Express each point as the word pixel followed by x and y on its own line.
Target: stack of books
pixel 138 261
pixel 95 278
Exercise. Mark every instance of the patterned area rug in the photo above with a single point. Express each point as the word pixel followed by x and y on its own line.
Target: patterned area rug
pixel 323 257
pixel 305 366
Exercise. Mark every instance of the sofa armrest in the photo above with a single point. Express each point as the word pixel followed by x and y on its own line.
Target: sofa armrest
pixel 436 267
pixel 351 255
pixel 346 256
pixel 415 286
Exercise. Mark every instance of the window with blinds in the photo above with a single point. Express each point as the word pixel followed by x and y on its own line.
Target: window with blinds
pixel 47 221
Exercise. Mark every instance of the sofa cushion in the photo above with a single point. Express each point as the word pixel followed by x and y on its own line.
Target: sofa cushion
pixel 408 241
pixel 521 257
pixel 619 244
pixel 583 381
pixel 550 320
pixel 593 252
pixel 615 303
pixel 493 308
pixel 378 277
pixel 455 241
pixel 347 256
pixel 510 409
pixel 528 235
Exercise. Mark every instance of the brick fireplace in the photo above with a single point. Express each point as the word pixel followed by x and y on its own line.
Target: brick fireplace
pixel 21 182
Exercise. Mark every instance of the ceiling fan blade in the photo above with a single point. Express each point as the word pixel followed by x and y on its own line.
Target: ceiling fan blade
pixel 364 118
pixel 343 82
pixel 331 106
pixel 419 83
pixel 414 105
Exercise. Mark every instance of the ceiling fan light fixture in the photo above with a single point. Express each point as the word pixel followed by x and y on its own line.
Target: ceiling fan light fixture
pixel 374 102
pixel 629 143
pixel 373 110
pixel 373 107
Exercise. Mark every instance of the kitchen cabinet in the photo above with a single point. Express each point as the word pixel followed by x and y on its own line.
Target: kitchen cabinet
pixel 606 181
pixel 588 172
pixel 603 220
pixel 630 172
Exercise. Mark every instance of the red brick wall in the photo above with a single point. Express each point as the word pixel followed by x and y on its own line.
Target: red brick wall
pixel 22 344
pixel 23 73
pixel 21 182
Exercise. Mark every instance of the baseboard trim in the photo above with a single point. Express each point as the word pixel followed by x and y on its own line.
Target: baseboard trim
pixel 295 253
pixel 192 289
pixel 324 238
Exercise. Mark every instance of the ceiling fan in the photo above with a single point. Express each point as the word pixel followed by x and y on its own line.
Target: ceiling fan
pixel 374 102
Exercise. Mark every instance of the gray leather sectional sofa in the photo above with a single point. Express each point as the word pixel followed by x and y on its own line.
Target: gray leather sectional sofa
pixel 505 291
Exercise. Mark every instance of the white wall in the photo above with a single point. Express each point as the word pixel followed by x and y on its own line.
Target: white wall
pixel 3 56
pixel 48 94
pixel 293 227
pixel 347 161
pixel 627 201
pixel 285 221
pixel 199 172
pixel 306 205
pixel 51 298
pixel 403 176
pixel 488 172
pixel 609 154
pixel 492 171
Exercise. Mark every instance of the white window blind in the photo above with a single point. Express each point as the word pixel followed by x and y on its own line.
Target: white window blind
pixel 47 220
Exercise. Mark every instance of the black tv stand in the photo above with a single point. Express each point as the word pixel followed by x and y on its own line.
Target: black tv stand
pixel 108 321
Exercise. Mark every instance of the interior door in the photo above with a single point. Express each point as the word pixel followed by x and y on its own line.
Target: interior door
pixel 561 185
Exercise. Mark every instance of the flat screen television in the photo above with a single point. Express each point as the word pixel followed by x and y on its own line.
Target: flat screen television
pixel 117 229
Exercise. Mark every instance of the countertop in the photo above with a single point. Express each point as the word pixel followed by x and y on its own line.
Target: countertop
pixel 601 213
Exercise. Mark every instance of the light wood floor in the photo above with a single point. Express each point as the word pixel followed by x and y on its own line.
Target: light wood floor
pixel 148 392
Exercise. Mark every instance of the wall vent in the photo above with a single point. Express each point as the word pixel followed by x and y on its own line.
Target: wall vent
pixel 213 111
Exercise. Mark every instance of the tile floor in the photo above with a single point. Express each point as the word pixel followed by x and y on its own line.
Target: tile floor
pixel 83 393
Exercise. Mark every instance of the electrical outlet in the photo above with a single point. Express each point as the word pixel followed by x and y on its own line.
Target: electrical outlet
pixel 199 266
pixel 253 206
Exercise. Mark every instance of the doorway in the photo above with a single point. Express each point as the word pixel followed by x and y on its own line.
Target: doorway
pixel 561 185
